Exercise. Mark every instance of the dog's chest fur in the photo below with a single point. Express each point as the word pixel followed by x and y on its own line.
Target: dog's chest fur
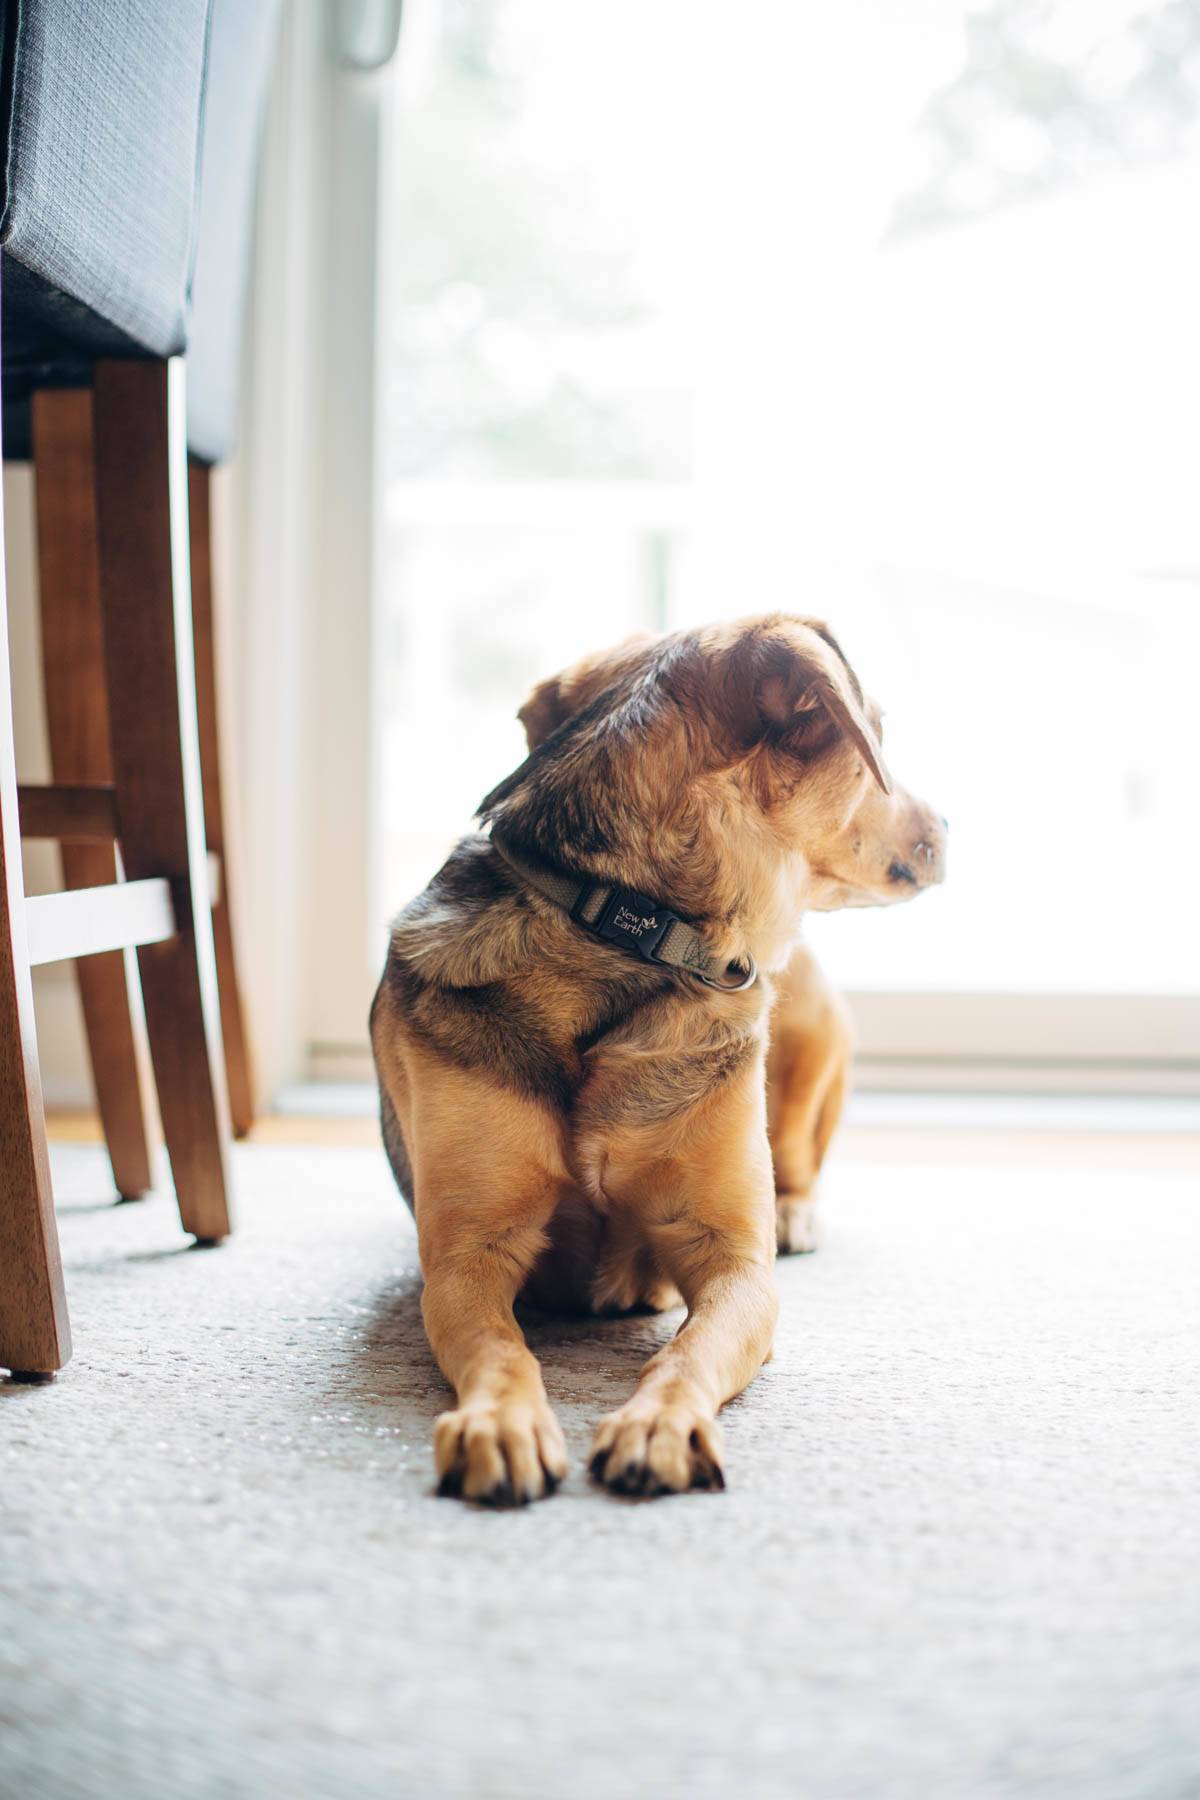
pixel 494 981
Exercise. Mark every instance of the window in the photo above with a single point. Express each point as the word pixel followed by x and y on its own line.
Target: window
pixel 888 319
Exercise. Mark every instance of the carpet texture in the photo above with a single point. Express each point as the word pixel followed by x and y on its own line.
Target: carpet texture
pixel 957 1555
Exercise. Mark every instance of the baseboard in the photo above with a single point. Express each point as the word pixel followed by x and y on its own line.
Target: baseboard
pixel 899 1109
pixel 1043 1076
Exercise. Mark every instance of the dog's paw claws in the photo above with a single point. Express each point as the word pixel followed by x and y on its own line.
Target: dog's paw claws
pixel 709 1473
pixel 504 1495
pixel 666 1452
pixel 500 1455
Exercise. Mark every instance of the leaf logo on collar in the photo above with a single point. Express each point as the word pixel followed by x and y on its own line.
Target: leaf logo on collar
pixel 636 924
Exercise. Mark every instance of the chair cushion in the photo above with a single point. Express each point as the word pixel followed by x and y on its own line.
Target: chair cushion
pixel 241 46
pixel 99 136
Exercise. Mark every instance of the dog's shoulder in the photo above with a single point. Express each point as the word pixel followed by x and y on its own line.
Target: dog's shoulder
pixel 455 959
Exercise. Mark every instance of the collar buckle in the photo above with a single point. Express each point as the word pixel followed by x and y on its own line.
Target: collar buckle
pixel 629 920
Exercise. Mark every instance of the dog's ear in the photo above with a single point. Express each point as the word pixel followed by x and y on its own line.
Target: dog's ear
pixel 846 709
pixel 560 697
pixel 796 673
pixel 544 711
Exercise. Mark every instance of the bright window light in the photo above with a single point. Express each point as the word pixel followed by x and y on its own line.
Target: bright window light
pixel 883 314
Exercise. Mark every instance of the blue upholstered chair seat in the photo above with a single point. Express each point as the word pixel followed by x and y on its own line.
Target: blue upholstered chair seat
pixel 128 134
pixel 241 49
pixel 101 139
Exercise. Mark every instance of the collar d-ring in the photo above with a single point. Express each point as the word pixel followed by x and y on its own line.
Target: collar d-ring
pixel 748 978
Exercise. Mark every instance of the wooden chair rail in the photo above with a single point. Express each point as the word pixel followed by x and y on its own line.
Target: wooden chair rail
pixel 70 813
pixel 88 921
pixel 85 815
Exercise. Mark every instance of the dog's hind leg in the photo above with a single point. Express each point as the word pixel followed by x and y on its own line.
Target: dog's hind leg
pixel 807 1076
pixel 393 1143
pixel 488 1176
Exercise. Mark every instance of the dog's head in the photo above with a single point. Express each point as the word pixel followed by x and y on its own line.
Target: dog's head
pixel 706 755
pixel 779 691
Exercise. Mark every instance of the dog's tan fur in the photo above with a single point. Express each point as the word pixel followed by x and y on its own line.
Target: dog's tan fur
pixel 811 1038
pixel 576 1127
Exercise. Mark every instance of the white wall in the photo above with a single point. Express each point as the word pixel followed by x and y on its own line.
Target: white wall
pixel 296 514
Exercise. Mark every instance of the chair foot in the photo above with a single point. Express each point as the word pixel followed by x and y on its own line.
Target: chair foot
pixel 32 1377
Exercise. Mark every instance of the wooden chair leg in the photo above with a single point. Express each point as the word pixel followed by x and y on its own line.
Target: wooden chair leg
pixel 78 730
pixel 141 492
pixel 35 1338
pixel 238 1062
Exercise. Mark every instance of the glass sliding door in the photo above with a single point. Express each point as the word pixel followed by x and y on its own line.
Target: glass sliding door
pixel 885 319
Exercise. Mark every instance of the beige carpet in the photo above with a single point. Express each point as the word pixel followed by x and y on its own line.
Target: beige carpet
pixel 957 1556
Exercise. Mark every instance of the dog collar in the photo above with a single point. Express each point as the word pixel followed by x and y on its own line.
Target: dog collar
pixel 632 922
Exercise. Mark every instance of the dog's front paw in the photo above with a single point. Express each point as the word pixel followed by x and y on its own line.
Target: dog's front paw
pixel 658 1451
pixel 795 1224
pixel 503 1454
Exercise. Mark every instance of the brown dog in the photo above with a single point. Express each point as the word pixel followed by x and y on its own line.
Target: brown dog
pixel 811 1037
pixel 571 1039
